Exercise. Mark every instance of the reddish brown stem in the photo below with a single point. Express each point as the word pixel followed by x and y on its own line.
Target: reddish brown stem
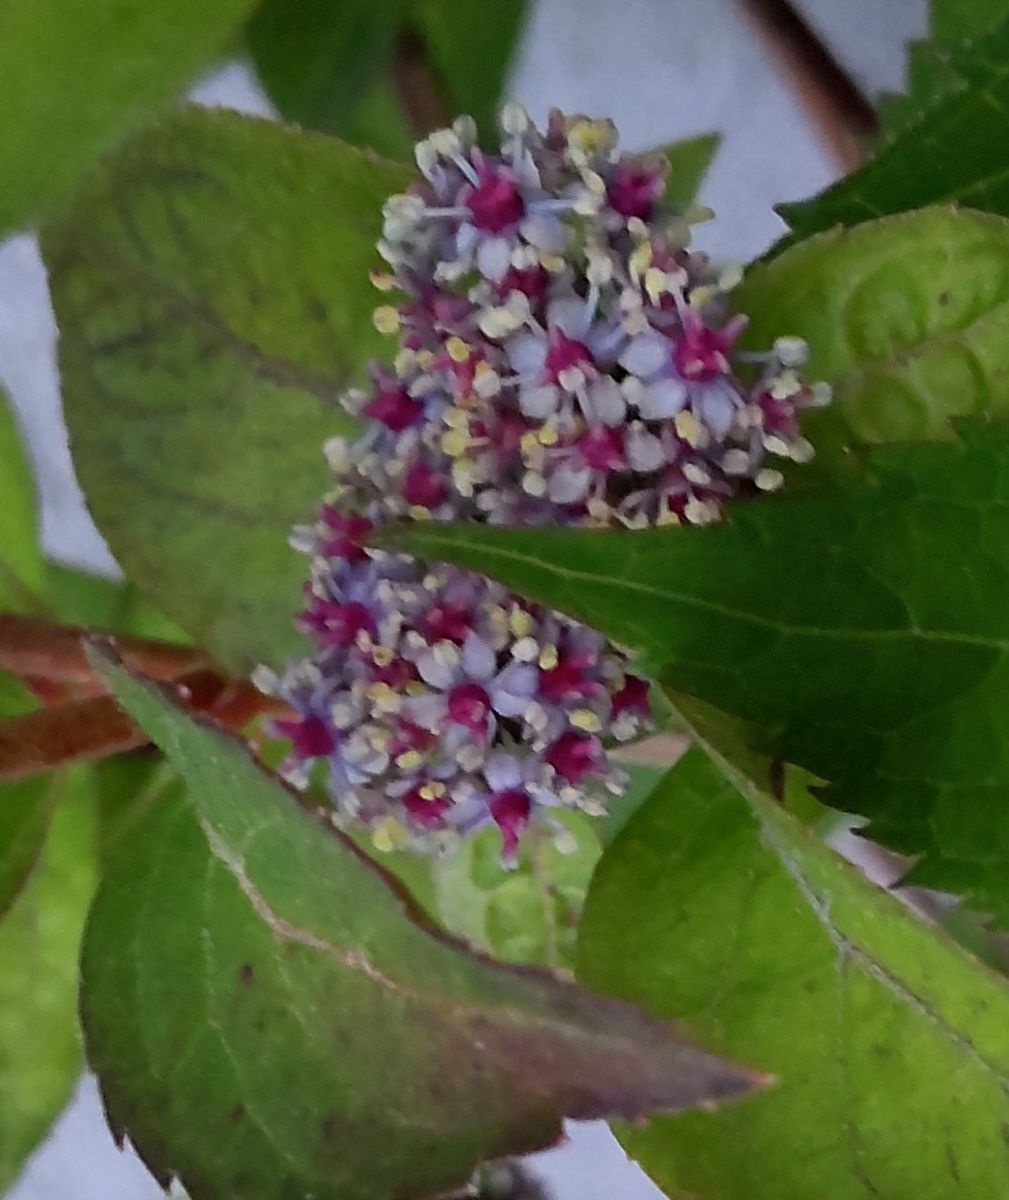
pixel 82 730
pixel 41 652
pixel 830 97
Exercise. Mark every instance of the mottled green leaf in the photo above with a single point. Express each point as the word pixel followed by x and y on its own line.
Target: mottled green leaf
pixel 906 317
pixel 890 1044
pixel 21 564
pixel 267 1017
pixel 472 45
pixel 211 286
pixel 862 631
pixel 956 151
pixel 930 72
pixel 25 807
pixel 77 74
pixel 40 1053
pixel 689 161
pixel 317 57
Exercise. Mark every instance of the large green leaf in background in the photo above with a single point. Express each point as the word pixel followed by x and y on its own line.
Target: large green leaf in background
pixel 890 1044
pixel 908 319
pixel 267 1018
pixel 211 287
pixel 472 45
pixel 316 58
pixel 40 1053
pixel 931 73
pixel 956 152
pixel 77 74
pixel 861 629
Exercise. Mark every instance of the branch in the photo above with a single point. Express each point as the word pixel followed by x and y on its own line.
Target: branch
pixel 828 94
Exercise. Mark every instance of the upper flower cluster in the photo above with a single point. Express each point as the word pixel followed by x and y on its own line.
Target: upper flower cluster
pixel 563 356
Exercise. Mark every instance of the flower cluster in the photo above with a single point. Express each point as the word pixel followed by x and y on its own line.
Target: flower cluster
pixel 563 357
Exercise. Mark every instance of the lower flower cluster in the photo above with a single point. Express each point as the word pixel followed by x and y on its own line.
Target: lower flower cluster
pixel 563 357
pixel 440 703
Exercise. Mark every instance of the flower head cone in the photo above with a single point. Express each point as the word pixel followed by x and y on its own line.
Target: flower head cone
pixel 563 357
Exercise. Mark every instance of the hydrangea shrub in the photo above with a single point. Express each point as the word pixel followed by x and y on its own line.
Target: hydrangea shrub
pixel 572 498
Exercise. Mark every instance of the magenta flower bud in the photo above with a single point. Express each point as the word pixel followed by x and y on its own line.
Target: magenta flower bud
pixel 510 811
pixel 634 190
pixel 495 203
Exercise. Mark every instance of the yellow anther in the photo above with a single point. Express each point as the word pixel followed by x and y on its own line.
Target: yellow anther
pixel 417 512
pixel 382 656
pixel 520 622
pixel 549 658
pixel 591 136
pixel 425 359
pixel 404 362
pixel 383 695
pixel 656 282
pixel 548 435
pixel 386 319
pixel 455 442
pixel 690 429
pixel 640 260
pixel 554 263
pixel 456 418
pixel 529 444
pixel 667 517
pixel 457 349
pixel 389 835
pixel 409 760
pixel 383 281
pixel 463 474
pixel 585 719
pixel 433 790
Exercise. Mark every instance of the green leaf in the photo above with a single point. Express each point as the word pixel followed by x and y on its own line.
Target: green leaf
pixel 378 123
pixel 211 287
pixel 890 1044
pixel 267 1016
pixel 317 57
pixel 21 564
pixel 689 162
pixel 525 914
pixel 906 317
pixel 40 1053
pixel 25 807
pixel 861 632
pixel 78 74
pixel 78 597
pixel 956 152
pixel 931 74
pixel 472 44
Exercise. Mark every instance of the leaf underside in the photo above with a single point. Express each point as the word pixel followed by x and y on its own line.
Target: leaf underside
pixel 237 942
